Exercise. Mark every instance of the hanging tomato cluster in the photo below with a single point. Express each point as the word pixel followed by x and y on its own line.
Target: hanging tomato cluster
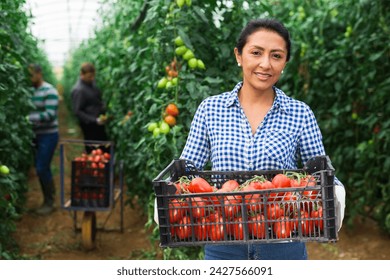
pixel 170 81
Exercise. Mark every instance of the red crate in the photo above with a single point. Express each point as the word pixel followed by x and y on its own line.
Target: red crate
pixel 260 216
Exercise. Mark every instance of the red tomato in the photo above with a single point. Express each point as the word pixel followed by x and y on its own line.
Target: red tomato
pixel 216 230
pixel 254 202
pixel 274 211
pixel 304 223
pixel 202 229
pixel 282 228
pixel 238 229
pixel 318 218
pixel 289 202
pixel 308 181
pixel 267 185
pixel 184 231
pixel 199 185
pixel 172 110
pixel 198 207
pixel 230 185
pixel 257 226
pixel 107 156
pixel 98 151
pixel 281 181
pixel 232 206
pixel 177 210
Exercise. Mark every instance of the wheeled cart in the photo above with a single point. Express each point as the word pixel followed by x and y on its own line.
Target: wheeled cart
pixel 91 181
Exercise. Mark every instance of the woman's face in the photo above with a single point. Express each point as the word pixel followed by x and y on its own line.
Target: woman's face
pixel 263 58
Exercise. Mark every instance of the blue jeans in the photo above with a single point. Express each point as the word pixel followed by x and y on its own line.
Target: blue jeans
pixel 45 145
pixel 269 251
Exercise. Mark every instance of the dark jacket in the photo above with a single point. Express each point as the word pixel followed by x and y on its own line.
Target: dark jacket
pixel 87 102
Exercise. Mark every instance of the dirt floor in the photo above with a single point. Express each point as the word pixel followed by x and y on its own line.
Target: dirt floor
pixel 54 237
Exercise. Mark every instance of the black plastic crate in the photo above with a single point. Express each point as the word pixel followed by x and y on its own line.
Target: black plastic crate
pixel 258 216
pixel 90 185
pixel 87 179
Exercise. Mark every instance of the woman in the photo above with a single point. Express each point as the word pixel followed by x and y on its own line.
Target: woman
pixel 256 127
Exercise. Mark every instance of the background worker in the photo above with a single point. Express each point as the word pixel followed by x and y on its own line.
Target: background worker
pixel 45 126
pixel 88 106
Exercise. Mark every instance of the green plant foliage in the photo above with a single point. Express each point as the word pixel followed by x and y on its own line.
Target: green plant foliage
pixel 18 48
pixel 339 66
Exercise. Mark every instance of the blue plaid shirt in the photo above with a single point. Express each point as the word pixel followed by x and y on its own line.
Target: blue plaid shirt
pixel 220 132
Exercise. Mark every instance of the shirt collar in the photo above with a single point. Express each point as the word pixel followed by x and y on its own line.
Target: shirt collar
pixel 280 102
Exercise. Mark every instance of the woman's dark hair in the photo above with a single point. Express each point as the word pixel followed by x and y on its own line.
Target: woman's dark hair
pixel 267 24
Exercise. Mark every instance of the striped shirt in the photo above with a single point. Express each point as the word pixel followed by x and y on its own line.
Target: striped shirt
pixel 44 117
pixel 221 133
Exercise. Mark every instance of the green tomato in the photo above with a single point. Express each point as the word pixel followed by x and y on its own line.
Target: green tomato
pixel 175 81
pixel 189 3
pixel 193 63
pixel 164 127
pixel 162 83
pixel 152 126
pixel 188 55
pixel 180 3
pixel 156 132
pixel 200 64
pixel 181 50
pixel 179 41
pixel 4 170
pixel 169 85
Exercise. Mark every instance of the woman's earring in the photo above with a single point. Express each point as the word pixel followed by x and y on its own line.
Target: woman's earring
pixel 282 72
pixel 238 64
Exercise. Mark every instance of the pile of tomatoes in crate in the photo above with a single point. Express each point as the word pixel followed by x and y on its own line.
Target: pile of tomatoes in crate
pixel 286 206
pixel 90 179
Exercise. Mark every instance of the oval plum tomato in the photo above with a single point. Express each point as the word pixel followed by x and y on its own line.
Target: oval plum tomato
pixel 289 202
pixel 216 230
pixel 308 181
pixel 281 181
pixel 172 110
pixel 230 185
pixel 232 206
pixel 274 211
pixel 198 207
pixel 317 215
pixel 304 223
pixel 199 185
pixel 202 229
pixel 184 231
pixel 253 202
pixel 238 229
pixel 257 226
pixel 282 228
pixel 177 210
